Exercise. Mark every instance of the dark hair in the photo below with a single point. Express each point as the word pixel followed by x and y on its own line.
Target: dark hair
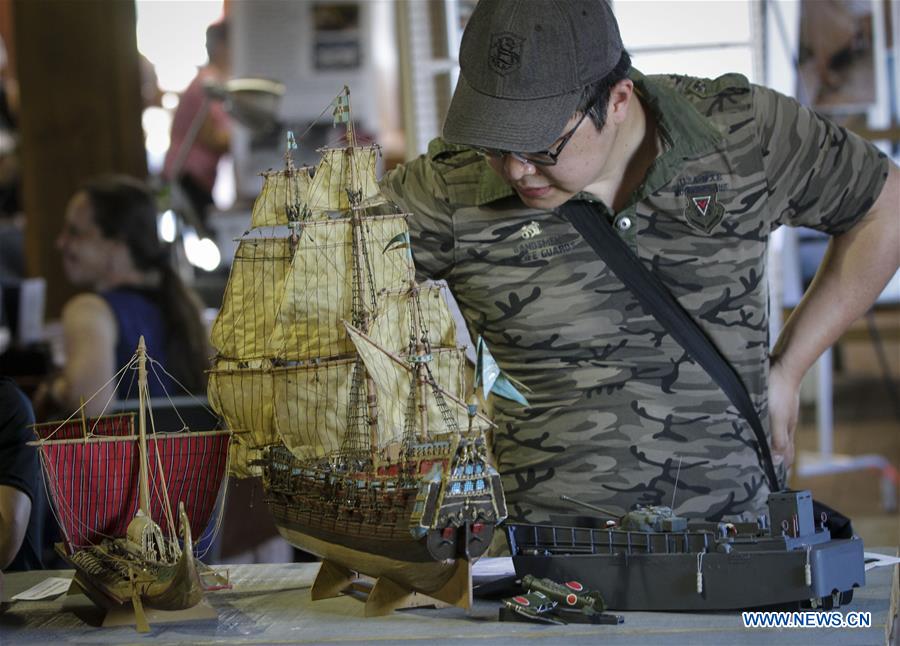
pixel 216 34
pixel 125 209
pixel 595 97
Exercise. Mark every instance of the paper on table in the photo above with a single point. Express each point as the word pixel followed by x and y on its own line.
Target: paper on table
pixel 874 559
pixel 493 567
pixel 49 587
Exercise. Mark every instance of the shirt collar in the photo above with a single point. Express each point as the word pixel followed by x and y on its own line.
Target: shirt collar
pixel 684 133
pixel 683 129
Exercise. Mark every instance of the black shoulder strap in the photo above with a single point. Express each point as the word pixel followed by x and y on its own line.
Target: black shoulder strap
pixel 657 300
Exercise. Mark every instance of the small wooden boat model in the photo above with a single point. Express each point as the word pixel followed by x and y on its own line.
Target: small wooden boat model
pixel 114 492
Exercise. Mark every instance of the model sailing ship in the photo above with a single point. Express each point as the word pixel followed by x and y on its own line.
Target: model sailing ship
pixel 348 377
pixel 651 559
pixel 114 492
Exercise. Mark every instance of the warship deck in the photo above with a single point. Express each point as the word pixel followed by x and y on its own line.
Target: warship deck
pixel 271 604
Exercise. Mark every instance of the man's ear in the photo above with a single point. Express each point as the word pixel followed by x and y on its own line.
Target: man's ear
pixel 620 96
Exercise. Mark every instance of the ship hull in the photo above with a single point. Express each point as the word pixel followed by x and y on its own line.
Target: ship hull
pixel 407 521
pixel 162 587
pixel 422 574
pixel 392 544
pixel 754 574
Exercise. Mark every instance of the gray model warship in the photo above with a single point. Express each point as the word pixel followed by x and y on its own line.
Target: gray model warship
pixel 652 559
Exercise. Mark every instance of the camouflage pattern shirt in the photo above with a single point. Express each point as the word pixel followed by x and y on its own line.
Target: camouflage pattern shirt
pixel 618 411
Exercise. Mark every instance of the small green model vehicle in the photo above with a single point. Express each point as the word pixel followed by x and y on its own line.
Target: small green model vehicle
pixel 533 605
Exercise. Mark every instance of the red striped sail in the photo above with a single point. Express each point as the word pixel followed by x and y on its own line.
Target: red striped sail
pixel 95 484
pixel 106 426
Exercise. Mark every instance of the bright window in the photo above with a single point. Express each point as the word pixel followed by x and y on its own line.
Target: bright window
pixel 692 37
pixel 172 37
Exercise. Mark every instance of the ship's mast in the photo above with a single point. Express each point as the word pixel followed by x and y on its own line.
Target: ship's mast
pixel 142 426
pixel 360 311
pixel 351 133
pixel 291 205
pixel 421 355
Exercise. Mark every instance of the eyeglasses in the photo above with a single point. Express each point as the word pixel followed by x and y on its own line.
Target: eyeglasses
pixel 540 158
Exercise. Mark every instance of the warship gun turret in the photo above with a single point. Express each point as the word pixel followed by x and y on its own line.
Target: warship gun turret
pixel 652 559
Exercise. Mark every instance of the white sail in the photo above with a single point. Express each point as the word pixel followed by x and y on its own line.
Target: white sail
pixel 243 394
pixel 246 321
pixel 282 192
pixel 310 406
pixel 317 291
pixel 303 407
pixel 392 376
pixel 391 328
pixel 340 170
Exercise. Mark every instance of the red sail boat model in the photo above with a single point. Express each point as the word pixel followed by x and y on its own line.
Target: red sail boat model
pixel 114 492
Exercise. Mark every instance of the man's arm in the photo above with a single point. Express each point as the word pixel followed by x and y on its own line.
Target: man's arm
pixel 15 510
pixel 19 471
pixel 856 268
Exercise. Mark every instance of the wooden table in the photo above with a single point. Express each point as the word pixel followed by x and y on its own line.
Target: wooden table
pixel 271 604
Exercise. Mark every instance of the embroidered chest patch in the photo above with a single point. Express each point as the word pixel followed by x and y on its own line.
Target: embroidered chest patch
pixel 530 230
pixel 702 209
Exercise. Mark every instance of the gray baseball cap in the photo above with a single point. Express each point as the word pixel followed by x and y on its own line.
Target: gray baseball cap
pixel 523 65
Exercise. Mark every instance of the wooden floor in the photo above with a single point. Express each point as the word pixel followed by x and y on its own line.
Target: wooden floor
pixel 865 422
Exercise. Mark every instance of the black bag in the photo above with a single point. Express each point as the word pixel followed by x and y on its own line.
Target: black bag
pixel 838 525
pixel 657 300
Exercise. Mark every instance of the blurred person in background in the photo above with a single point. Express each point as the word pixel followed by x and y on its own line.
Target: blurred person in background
pixel 195 161
pixel 110 246
pixel 151 94
pixel 12 224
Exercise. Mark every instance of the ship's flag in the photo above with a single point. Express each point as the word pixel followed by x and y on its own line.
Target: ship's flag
pixel 341 112
pixel 492 380
pixel 399 241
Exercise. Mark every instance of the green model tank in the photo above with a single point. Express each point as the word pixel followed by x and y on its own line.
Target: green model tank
pixel 653 519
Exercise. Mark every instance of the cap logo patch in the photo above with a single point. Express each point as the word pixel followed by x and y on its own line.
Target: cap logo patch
pixel 702 210
pixel 505 52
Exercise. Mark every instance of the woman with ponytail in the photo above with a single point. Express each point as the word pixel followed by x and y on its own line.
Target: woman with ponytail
pixel 110 245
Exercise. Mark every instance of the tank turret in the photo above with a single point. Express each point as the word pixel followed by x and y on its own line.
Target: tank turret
pixel 653 519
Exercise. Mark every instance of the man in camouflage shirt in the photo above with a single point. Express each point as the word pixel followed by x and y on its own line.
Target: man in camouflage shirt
pixel 694 174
